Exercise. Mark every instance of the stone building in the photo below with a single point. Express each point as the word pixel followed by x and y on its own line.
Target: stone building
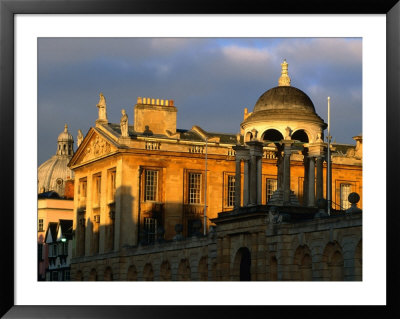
pixel 153 202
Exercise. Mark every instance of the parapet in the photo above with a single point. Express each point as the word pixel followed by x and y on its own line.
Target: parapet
pixel 156 102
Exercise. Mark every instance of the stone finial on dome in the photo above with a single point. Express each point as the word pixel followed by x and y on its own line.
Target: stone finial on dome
pixel 284 79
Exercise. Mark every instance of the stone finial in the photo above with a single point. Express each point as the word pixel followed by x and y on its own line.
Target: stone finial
pixel 284 79
pixel 124 124
pixel 79 137
pixel 354 198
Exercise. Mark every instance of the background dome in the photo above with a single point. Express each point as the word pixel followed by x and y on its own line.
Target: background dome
pixel 54 172
pixel 284 98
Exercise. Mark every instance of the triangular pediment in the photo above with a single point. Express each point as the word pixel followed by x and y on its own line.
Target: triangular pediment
pixel 95 145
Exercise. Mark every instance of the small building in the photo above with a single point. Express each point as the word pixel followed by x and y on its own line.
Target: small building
pixel 58 250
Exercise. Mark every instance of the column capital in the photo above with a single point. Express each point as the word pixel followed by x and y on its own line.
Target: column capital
pixel 316 149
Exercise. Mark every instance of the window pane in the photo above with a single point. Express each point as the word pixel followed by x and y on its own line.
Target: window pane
pixel 194 188
pixel 231 190
pixel 151 180
pixel 272 185
pixel 150 226
pixel 345 190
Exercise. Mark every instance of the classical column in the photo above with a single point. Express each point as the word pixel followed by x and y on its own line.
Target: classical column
pixel 286 172
pixel 311 182
pixel 259 180
pixel 279 164
pixel 320 177
pixel 246 183
pixel 253 179
pixel 305 181
pixel 237 183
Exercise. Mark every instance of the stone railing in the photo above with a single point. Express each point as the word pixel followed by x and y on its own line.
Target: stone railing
pixel 151 101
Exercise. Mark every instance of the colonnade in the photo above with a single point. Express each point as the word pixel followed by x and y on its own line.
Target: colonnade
pixel 251 156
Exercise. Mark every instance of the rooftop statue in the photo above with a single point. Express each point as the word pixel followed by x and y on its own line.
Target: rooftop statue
pixel 102 108
pixel 124 124
pixel 79 137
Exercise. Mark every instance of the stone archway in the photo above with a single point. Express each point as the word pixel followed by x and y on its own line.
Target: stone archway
pixel 203 269
pixel 79 276
pixel 165 271
pixel 302 263
pixel 184 272
pixel 358 262
pixel 273 269
pixel 132 273
pixel 108 276
pixel 300 135
pixel 93 275
pixel 333 262
pixel 148 274
pixel 272 135
pixel 242 265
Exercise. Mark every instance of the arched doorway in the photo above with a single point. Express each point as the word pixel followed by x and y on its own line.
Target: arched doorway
pixel 242 265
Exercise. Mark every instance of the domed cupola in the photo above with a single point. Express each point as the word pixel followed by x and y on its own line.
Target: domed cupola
pixel 53 173
pixel 65 143
pixel 280 108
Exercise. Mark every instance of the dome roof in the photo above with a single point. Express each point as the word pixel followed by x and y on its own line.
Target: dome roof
pixel 284 98
pixel 283 103
pixel 53 173
pixel 65 136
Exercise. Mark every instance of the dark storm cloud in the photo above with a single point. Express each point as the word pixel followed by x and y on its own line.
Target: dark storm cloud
pixel 211 80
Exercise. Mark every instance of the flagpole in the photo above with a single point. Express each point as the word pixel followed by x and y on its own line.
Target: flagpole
pixel 205 194
pixel 328 173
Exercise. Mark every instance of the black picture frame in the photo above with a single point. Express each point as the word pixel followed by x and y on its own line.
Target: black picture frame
pixel 8 10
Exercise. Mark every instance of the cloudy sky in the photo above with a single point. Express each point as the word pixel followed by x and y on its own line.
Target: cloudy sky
pixel 210 79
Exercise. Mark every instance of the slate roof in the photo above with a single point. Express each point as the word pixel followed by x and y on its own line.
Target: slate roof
pixel 186 135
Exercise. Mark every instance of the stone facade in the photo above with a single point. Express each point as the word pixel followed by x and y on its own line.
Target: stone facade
pixel 140 200
pixel 315 250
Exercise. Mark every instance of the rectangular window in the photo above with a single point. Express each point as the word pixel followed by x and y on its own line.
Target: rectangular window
pixel 231 190
pixel 112 185
pixel 272 185
pixel 67 275
pixel 194 188
pixel 345 190
pixel 54 276
pixel 40 226
pixel 97 190
pixel 151 185
pixel 54 250
pixel 150 227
